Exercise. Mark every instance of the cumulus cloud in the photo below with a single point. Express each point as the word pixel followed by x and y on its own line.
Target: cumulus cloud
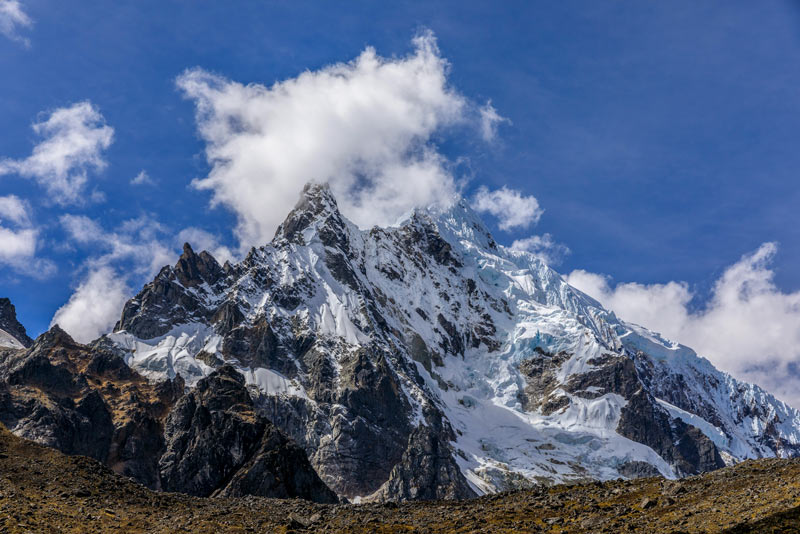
pixel 132 252
pixel 142 179
pixel 12 17
pixel 749 327
pixel 512 208
pixel 73 141
pixel 13 209
pixel 17 246
pixel 19 239
pixel 365 127
pixel 543 247
pixel 489 121
pixel 95 305
pixel 139 243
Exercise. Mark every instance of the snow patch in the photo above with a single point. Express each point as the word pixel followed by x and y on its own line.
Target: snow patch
pixel 9 341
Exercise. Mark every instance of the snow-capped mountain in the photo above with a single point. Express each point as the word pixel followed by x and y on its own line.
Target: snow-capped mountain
pixel 424 360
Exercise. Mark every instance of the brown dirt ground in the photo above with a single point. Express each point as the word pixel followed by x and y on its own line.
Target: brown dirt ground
pixel 42 490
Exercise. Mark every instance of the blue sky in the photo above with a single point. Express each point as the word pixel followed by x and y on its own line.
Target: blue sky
pixel 660 139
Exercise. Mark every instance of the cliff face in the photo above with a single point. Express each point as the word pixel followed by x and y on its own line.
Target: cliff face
pixel 86 400
pixel 218 445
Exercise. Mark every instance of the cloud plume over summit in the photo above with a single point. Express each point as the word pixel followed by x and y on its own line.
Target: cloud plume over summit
pixel 366 127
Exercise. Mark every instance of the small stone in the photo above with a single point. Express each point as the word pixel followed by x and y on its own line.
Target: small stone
pixel 647 503
pixel 297 523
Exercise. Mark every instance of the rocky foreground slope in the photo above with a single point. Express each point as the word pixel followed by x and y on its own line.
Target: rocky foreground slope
pixel 42 490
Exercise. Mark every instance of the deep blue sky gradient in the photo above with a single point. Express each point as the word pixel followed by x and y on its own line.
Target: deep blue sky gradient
pixel 661 138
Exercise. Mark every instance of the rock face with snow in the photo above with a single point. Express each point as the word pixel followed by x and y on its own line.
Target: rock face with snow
pixel 85 400
pixel 425 361
pixel 12 333
pixel 218 445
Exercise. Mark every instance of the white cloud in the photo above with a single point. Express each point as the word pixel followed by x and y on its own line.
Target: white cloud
pixel 749 327
pixel 13 209
pixel 512 209
pixel 12 17
pixel 131 253
pixel 365 127
pixel 95 306
pixel 138 243
pixel 142 179
pixel 73 139
pixel 19 239
pixel 543 247
pixel 17 246
pixel 489 121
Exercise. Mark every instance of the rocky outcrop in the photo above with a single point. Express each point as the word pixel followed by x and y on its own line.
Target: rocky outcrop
pixel 541 382
pixel 427 471
pixel 218 445
pixel 642 419
pixel 177 292
pixel 43 490
pixel 86 400
pixel 684 446
pixel 10 324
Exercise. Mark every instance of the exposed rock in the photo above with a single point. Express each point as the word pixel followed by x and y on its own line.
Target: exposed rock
pixel 351 334
pixel 86 400
pixel 195 269
pixel 684 446
pixel 637 469
pixel 176 292
pixel 541 382
pixel 10 324
pixel 216 444
pixel 427 470
pixel 43 490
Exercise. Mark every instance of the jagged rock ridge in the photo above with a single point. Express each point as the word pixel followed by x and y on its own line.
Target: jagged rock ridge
pixel 85 400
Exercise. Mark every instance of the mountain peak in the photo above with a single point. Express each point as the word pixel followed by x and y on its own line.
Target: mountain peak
pixel 457 221
pixel 56 336
pixel 11 326
pixel 451 349
pixel 193 269
pixel 316 204
pixel 317 199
